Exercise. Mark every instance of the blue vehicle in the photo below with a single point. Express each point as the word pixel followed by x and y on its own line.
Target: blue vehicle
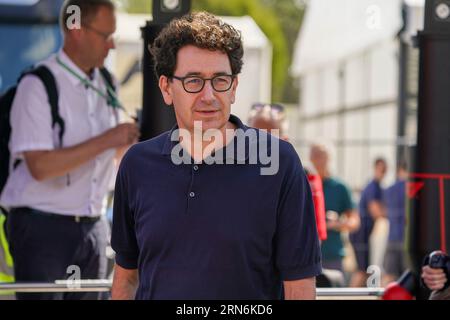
pixel 29 32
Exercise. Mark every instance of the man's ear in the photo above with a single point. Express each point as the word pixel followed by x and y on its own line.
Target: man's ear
pixel 166 90
pixel 74 35
pixel 233 89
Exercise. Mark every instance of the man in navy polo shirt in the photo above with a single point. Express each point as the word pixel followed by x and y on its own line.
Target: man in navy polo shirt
pixel 213 223
pixel 395 200
pixel 371 208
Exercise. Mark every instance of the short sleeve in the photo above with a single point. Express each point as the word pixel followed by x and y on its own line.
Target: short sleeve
pixel 296 242
pixel 347 200
pixel 374 193
pixel 123 238
pixel 31 124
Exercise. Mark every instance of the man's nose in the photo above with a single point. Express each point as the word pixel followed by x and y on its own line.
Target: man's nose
pixel 208 91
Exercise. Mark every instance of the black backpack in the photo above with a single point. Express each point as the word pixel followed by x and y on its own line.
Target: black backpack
pixel 6 101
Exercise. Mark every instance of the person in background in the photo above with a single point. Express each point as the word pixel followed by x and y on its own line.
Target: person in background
pixel 394 200
pixel 435 275
pixel 437 281
pixel 272 118
pixel 6 262
pixel 56 189
pixel 371 208
pixel 340 212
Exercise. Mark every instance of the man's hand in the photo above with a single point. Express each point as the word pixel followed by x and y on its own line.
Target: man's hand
pixel 333 222
pixel 349 221
pixel 123 135
pixel 434 279
pixel 334 225
pixel 376 209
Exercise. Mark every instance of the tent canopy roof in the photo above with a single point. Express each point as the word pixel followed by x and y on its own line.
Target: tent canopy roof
pixel 128 29
pixel 334 30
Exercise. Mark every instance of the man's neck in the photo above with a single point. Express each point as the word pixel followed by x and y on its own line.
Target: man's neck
pixel 76 59
pixel 200 149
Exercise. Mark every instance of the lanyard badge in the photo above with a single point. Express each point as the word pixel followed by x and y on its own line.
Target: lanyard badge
pixel 109 96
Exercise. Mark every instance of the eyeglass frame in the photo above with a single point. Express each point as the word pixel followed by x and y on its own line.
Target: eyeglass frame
pixel 107 37
pixel 182 79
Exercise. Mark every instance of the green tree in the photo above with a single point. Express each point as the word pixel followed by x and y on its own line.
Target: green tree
pixel 280 20
pixel 290 14
pixel 136 6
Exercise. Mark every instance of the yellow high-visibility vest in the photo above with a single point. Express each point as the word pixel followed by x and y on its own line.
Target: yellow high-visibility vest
pixel 6 275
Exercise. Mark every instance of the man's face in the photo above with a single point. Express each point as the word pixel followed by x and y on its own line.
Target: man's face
pixel 319 158
pixel 380 170
pixel 210 107
pixel 266 125
pixel 96 40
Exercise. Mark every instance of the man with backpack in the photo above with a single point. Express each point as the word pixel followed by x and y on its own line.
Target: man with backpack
pixel 65 135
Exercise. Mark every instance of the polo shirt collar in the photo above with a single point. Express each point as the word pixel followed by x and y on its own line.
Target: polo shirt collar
pixel 169 144
pixel 74 80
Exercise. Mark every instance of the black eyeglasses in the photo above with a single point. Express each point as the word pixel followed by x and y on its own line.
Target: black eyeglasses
pixel 195 84
pixel 272 106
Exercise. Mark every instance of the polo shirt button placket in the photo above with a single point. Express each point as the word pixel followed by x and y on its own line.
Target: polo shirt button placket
pixel 192 195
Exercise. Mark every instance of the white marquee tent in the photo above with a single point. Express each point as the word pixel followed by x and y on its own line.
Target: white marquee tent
pixel 347 60
pixel 334 30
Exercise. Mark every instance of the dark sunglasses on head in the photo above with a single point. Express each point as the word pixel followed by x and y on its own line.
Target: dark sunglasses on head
pixel 273 106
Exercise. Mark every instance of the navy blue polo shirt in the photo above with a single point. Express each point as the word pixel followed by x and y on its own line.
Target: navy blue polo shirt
pixel 372 192
pixel 213 231
pixel 394 198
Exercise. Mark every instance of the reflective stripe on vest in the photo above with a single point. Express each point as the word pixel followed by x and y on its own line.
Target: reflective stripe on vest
pixel 5 254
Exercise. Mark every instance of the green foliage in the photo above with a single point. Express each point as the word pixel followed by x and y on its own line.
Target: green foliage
pixel 280 20
pixel 266 19
pixel 136 6
pixel 291 17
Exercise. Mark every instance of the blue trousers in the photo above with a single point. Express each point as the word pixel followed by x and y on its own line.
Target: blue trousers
pixel 46 247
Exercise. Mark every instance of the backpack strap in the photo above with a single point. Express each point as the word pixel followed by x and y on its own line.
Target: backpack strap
pixel 109 84
pixel 108 78
pixel 47 78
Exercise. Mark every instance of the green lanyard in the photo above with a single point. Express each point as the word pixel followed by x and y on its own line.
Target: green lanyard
pixel 110 96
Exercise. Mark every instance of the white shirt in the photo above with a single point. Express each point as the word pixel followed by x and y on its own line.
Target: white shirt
pixel 86 114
